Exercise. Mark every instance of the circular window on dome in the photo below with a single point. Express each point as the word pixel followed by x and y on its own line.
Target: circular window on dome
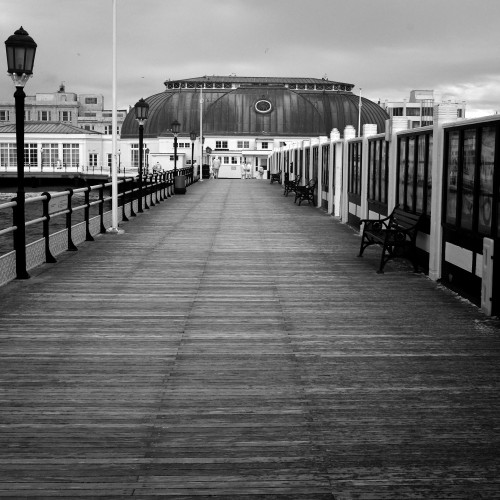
pixel 263 106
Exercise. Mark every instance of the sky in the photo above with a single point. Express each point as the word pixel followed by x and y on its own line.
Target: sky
pixel 386 48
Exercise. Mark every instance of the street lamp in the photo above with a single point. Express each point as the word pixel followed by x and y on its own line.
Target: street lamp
pixel 141 115
pixel 192 136
pixel 176 126
pixel 21 49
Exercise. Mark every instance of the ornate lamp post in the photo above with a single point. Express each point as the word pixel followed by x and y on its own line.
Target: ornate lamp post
pixel 21 49
pixel 141 115
pixel 176 126
pixel 192 136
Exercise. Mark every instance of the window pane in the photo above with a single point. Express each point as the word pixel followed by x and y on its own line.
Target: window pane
pixel 383 170
pixel 468 172
pixel 410 195
pixel 451 184
pixel 401 171
pixel 429 176
pixel 486 179
pixel 419 206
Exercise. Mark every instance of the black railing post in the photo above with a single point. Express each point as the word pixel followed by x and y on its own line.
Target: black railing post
pixel 49 258
pixel 151 191
pixel 69 212
pixel 123 195
pixel 88 234
pixel 132 196
pixel 145 193
pixel 101 208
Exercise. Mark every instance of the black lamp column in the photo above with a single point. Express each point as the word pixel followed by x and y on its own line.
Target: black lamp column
pixel 21 49
pixel 141 115
pixel 192 136
pixel 175 130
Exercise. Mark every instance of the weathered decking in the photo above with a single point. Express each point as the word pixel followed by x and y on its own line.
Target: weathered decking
pixel 231 345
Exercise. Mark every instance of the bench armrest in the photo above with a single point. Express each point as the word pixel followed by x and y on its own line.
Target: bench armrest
pixel 375 224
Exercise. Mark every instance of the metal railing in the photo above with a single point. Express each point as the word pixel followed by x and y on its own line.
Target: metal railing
pixel 59 221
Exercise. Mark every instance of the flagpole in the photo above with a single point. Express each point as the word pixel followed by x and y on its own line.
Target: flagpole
pixel 201 132
pixel 114 178
pixel 359 113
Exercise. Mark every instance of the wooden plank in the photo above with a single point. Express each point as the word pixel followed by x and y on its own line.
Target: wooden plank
pixel 230 345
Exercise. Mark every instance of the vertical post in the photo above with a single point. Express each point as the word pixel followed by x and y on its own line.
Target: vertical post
pixel 175 155
pixel 141 140
pixel 201 132
pixel 114 175
pixel 19 222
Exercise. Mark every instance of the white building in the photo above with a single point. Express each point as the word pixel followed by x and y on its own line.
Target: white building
pixel 417 111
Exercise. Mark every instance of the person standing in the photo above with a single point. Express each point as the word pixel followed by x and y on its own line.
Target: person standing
pixel 215 167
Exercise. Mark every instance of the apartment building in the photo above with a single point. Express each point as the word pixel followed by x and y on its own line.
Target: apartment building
pixel 418 109
pixel 85 111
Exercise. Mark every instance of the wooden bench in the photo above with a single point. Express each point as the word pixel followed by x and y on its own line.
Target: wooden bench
pixel 291 186
pixel 396 234
pixel 276 177
pixel 306 192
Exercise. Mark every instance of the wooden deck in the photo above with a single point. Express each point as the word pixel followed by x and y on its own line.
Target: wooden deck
pixel 230 345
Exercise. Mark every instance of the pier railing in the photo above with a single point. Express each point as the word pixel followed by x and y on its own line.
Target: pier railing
pixel 59 221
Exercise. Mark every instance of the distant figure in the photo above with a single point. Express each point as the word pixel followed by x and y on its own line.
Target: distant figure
pixel 248 170
pixel 243 170
pixel 261 172
pixel 215 167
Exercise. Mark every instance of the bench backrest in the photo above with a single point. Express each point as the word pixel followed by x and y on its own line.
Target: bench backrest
pixel 405 220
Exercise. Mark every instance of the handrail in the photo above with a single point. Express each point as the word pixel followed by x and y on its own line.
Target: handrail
pixel 158 187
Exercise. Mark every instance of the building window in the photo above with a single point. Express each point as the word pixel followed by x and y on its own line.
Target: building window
pixel 134 156
pixel 8 155
pixel 90 115
pixel 110 162
pixel 44 116
pixel 265 145
pixel 4 116
pixel 30 155
pixel 108 129
pixel 65 116
pixel 71 155
pixel 27 115
pixel 92 161
pixel 50 155
pixel 414 168
pixel 412 111
pixel 91 100
pixel 378 168
pixel 226 160
pixel 234 160
pixel 397 112
pixel 243 145
pixel 221 145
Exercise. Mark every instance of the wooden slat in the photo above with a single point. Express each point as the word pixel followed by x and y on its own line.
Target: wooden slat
pixel 230 345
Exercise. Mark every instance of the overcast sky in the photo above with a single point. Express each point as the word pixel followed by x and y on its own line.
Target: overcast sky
pixel 386 47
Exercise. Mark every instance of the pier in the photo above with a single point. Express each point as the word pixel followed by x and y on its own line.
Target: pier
pixel 230 345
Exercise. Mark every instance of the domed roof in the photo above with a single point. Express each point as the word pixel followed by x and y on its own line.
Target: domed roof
pixel 239 106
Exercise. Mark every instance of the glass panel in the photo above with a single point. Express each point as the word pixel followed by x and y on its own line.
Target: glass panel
pixel 486 168
pixel 401 171
pixel 468 172
pixel 358 168
pixel 410 195
pixel 419 206
pixel 451 181
pixel 429 176
pixel 376 172
pixel 383 170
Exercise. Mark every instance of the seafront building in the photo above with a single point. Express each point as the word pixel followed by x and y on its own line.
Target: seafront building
pixel 242 120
